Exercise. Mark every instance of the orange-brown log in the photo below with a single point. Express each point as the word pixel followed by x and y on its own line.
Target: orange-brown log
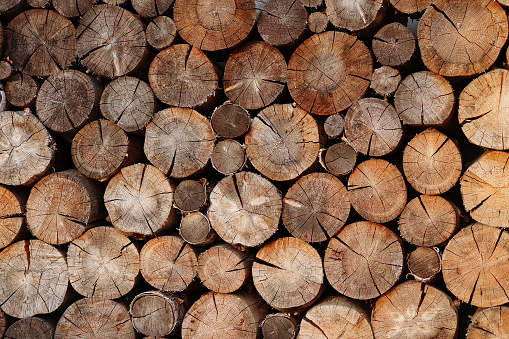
pixel 489 322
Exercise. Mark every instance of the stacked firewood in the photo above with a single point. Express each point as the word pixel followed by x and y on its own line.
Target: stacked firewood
pixel 241 168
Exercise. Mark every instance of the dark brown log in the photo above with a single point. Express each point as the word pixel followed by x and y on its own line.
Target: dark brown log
pixel 279 326
pixel 12 216
pixel 230 120
pixel 195 229
pixel 364 260
pixel 227 316
pixel 214 25
pixel 282 22
pixel 31 328
pixel 311 3
pixel 245 209
pixel 90 318
pixel 38 3
pixel 372 127
pixel 3 99
pixel 329 72
pixel 37 48
pixel 8 7
pixel 288 274
pixel 6 70
pixel 224 269
pixel 316 207
pixel 394 45
pixel 139 201
pixel 385 80
pixel 334 126
pixel 425 263
pixel 33 278
pixel 21 90
pixel 410 6
pixel 110 41
pixel 228 157
pixel 114 2
pixel 161 32
pixel 179 141
pixel 317 22
pixel 339 159
pixel 355 15
pixel 168 263
pixel 190 196
pixel 152 8
pixel 68 100
pixel 27 149
pixel 283 142
pixel 255 74
pixel 415 310
pixel 489 322
pixel 73 9
pixel 461 38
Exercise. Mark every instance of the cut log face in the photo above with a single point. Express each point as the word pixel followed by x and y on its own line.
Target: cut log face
pixel 317 22
pixel 110 41
pixel 432 162
pixel 62 205
pixel 461 38
pixel 429 221
pixel 424 99
pixel 489 322
pixel 353 15
pixel 179 141
pixel 425 263
pixel 385 80
pixel 30 328
pixel 245 209
pixel 168 263
pixel 139 201
pixel 316 207
pixel 282 22
pixel 373 128
pixel 12 216
pixel 279 326
pixel 190 196
pixel 33 278
pixel 288 274
pixel 128 102
pixel 415 310
pixel 21 90
pixel 230 120
pixel 38 3
pixel 68 100
pixel 364 260
pixel 410 6
pixel 27 150
pixel 182 75
pixel 485 189
pixel 103 262
pixel 151 8
pixel 336 317
pixel 228 157
pixel 394 45
pixel 73 9
pixel 161 32
pixel 156 313
pixel 255 74
pixel 90 318
pixel 334 126
pixel 329 72
pixel 228 316
pixel 377 190
pixel 483 110
pixel 6 69
pixel 9 5
pixel 195 229
pixel 475 265
pixel 283 142
pixel 340 159
pixel 224 269
pixel 37 48
pixel 213 25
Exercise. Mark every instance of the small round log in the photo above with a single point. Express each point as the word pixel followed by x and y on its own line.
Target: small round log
pixel 474 265
pixel 214 25
pixel 489 322
pixel 101 149
pixel 155 313
pixel 230 120
pixel 33 278
pixel 228 157
pixel 6 70
pixel 227 316
pixel 27 149
pixel 224 269
pixel 128 102
pixel 372 127
pixel 168 263
pixel 410 6
pixel 39 49
pixel 425 263
pixel 245 209
pixel 288 274
pixel 30 328
pixel 485 189
pixel 283 142
pixel 279 326
pixel 72 9
pixel 316 207
pixel 425 99
pixel 12 216
pixel 179 141
pixel 161 32
pixel 364 260
pixel 377 190
pixel 317 22
pixel 329 72
pixel 415 310
pixel 334 126
pixel 68 100
pixel 151 8
pixel 282 22
pixel 110 41
pixel 339 159
pixel 90 318
pixel 432 162
pixel 354 15
pixel 21 90
pixel 394 45
pixel 255 74
pixel 62 205
pixel 38 3
pixel 190 196
pixel 139 201
pixel 429 221
pixel 195 229
pixel 385 80
pixel 461 38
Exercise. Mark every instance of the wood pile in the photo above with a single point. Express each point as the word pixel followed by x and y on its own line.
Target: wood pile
pixel 254 168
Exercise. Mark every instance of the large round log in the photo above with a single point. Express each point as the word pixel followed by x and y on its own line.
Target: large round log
pixel 31 328
pixel 282 22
